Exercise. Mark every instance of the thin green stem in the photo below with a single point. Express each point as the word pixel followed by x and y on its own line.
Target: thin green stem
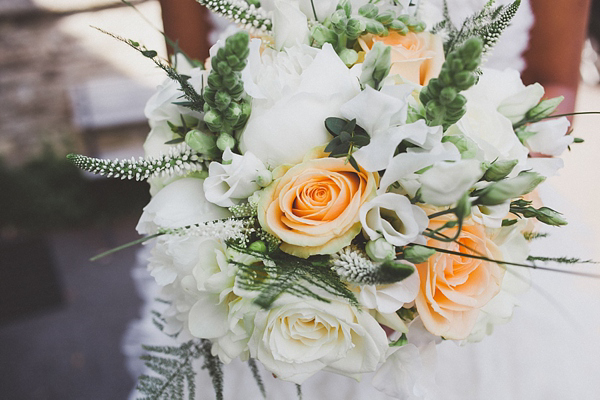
pixel 125 246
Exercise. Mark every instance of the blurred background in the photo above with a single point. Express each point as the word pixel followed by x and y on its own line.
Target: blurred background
pixel 65 87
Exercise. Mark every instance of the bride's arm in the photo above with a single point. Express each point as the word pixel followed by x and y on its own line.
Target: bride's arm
pixel 555 46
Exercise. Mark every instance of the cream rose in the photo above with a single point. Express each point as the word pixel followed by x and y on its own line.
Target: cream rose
pixel 313 207
pixel 303 336
pixel 455 288
pixel 417 57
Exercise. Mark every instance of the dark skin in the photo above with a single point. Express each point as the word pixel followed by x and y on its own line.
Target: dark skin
pixel 553 56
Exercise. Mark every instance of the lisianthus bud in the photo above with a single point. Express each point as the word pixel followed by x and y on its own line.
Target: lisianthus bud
pixel 264 178
pixel 368 10
pixel 376 28
pixel 544 109
pixel 386 17
pixel 499 170
pixel 399 27
pixel 550 217
pixel 417 254
pixel 202 142
pixel 213 120
pixel 500 192
pixel 225 141
pixel 380 250
pixel 259 246
pixel 355 28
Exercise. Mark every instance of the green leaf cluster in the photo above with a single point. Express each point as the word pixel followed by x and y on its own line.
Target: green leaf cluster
pixel 226 108
pixel 544 214
pixel 347 136
pixel 444 105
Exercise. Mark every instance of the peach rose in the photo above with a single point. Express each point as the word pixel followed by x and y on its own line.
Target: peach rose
pixel 313 207
pixel 454 288
pixel 417 57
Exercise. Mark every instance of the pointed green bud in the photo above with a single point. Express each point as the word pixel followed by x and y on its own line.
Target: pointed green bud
pixel 419 27
pixel 448 95
pixel 550 217
pixel 393 271
pixel 377 65
pixel 339 21
pixel 503 191
pixel 264 178
pixel 225 141
pixel 399 27
pixel 259 246
pixel 322 35
pixel 471 50
pixel 222 100
pixel 376 28
pixel 213 120
pixel 464 80
pixel 386 17
pixel 380 250
pixel 417 254
pixel 246 111
pixel 543 109
pixel 233 113
pixel 346 6
pixel 203 142
pixel 223 68
pixel 369 10
pixel 355 28
pixel 349 57
pixel 463 207
pixel 215 81
pixel 238 43
pixel 499 170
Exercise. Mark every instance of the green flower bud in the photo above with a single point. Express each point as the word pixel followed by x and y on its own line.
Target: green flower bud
pixel 550 217
pixel 225 141
pixel 339 21
pixel 444 78
pixel 466 146
pixel 202 142
pixel 503 191
pixel 544 109
pixel 264 178
pixel 499 170
pixel 463 207
pixel 386 17
pixel 419 27
pixel 448 95
pixel 377 65
pixel 458 103
pixel 464 80
pixel 233 60
pixel 355 28
pixel 399 27
pixel 322 35
pixel 238 43
pixel 349 57
pixel 259 246
pixel 213 120
pixel 376 28
pixel 222 100
pixel 223 68
pixel 368 10
pixel 246 111
pixel 456 65
pixel 471 50
pixel 215 81
pixel 380 250
pixel 233 113
pixel 417 254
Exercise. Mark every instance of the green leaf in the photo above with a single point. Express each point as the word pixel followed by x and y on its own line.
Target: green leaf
pixel 335 125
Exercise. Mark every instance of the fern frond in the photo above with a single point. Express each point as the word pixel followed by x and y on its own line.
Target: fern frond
pixel 180 160
pixel 257 377
pixel 240 12
pixel 562 260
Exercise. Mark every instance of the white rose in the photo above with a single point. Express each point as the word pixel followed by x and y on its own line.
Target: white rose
pixel 393 216
pixel 506 92
pixel 446 182
pixel 179 204
pixel 409 371
pixel 292 99
pixel 550 137
pixel 234 179
pixel 300 337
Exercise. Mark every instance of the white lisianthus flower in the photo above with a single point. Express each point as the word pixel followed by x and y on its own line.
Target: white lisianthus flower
pixel 506 92
pixel 446 182
pixel 218 312
pixel 323 8
pixel 499 310
pixel 409 371
pixel 181 203
pixel 293 93
pixel 234 179
pixel 290 25
pixel 491 131
pixel 299 337
pixel 550 137
pixel 394 218
pixel 387 299
pixel 490 216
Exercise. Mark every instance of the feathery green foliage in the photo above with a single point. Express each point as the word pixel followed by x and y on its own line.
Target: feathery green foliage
pixel 353 265
pixel 487 24
pixel 257 377
pixel 443 103
pixel 194 99
pixel 279 273
pixel 241 12
pixel 562 260
pixel 226 106
pixel 174 371
pixel 181 160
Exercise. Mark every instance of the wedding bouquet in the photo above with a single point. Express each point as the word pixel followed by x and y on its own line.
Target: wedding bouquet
pixel 339 188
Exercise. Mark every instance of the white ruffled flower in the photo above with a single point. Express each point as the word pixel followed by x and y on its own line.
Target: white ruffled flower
pixel 409 371
pixel 299 337
pixel 234 179
pixel 290 25
pixel 447 182
pixel 550 137
pixel 293 92
pixel 506 92
pixel 394 218
pixel 490 216
pixel 181 203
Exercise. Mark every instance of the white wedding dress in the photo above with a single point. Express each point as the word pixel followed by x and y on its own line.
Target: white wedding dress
pixel 547 351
